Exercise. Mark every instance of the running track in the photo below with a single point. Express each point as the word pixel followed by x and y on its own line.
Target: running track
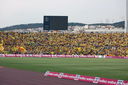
pixel 9 76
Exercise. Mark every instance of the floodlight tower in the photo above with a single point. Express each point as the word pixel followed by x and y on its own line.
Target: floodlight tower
pixel 126 20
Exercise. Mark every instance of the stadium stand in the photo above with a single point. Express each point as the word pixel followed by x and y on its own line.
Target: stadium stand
pixel 113 44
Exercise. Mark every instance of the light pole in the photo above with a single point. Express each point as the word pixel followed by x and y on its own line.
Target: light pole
pixel 126 20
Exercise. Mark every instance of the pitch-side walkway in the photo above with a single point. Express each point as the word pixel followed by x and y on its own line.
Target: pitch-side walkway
pixel 9 76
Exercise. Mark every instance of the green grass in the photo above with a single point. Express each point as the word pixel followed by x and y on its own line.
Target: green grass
pixel 106 68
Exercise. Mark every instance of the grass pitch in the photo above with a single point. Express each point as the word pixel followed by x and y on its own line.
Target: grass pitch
pixel 106 68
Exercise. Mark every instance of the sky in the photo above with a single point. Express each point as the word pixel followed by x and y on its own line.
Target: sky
pixel 13 12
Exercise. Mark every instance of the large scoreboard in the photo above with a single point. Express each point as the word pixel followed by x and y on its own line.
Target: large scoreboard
pixel 55 22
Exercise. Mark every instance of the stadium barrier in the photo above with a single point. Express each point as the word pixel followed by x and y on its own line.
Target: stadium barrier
pixel 90 79
pixel 117 57
pixel 61 56
pixel 49 56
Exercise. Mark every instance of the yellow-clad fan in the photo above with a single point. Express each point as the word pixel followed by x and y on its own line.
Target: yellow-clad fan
pixel 1 46
pixel 19 49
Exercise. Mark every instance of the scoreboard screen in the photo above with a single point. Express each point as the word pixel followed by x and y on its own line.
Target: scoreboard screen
pixel 55 22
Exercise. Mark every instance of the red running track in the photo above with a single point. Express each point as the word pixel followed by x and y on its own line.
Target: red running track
pixel 9 76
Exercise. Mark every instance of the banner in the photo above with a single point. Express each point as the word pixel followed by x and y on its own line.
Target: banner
pixel 62 56
pixel 10 55
pixel 90 79
pixel 2 55
pixel 117 57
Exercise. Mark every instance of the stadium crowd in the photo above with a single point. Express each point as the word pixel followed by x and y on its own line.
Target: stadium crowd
pixel 112 44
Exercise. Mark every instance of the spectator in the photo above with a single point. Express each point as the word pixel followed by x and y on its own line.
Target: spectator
pixel 115 44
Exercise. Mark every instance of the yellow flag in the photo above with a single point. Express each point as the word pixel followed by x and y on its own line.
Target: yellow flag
pixel 1 48
pixel 79 49
pixel 22 49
